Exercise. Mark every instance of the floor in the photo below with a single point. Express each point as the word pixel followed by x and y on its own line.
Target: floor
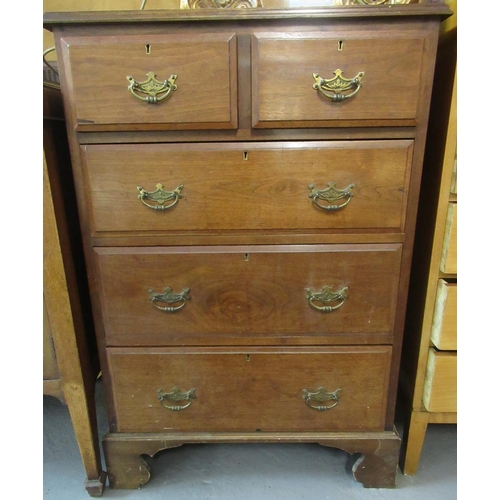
pixel 244 472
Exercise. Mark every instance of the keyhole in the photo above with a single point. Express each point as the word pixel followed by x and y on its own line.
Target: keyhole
pixel 341 45
pixel 245 155
pixel 148 48
pixel 246 257
pixel 248 357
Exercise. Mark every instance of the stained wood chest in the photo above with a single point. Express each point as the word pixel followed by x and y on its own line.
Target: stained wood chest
pixel 247 182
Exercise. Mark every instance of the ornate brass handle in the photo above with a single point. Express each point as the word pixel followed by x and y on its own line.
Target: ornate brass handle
pixel 338 84
pixel 331 194
pixel 155 90
pixel 169 297
pixel 321 396
pixel 176 395
pixel 160 196
pixel 327 295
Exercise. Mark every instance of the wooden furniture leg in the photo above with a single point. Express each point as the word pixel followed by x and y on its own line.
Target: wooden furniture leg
pixel 413 441
pixel 82 411
pixel 378 463
pixel 376 468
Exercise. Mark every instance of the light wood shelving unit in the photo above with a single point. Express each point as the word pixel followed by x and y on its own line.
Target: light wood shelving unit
pixel 428 381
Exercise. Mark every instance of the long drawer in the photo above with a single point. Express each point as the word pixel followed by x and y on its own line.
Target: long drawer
pixel 151 81
pixel 251 390
pixel 248 295
pixel 352 185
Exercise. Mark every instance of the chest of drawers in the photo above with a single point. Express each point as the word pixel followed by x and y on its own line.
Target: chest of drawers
pixel 247 182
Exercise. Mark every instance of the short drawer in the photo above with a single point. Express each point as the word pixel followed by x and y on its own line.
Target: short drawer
pixel 136 82
pixel 272 186
pixel 337 78
pixel 440 385
pixel 444 322
pixel 252 390
pixel 248 295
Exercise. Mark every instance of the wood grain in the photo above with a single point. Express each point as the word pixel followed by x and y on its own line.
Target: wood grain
pixel 283 65
pixel 205 65
pixel 262 394
pixel 440 386
pixel 50 368
pixel 268 190
pixel 244 309
pixel 424 9
pixel 248 294
pixel 66 325
pixel 375 468
pixel 444 323
pixel 449 256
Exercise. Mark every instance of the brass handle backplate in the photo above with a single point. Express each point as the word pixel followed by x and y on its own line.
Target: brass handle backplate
pixel 331 195
pixel 337 85
pixel 176 395
pixel 326 296
pixel 321 396
pixel 154 90
pixel 159 196
pixel 169 297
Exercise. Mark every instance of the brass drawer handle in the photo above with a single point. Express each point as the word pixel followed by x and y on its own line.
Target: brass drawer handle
pixel 155 90
pixel 338 84
pixel 160 196
pixel 176 395
pixel 321 396
pixel 331 194
pixel 327 295
pixel 169 297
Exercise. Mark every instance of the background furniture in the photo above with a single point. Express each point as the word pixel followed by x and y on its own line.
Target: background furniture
pixel 258 293
pixel 70 365
pixel 428 388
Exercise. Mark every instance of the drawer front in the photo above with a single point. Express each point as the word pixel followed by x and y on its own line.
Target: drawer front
pixel 203 95
pixel 388 68
pixel 252 390
pixel 440 385
pixel 249 295
pixel 444 322
pixel 449 255
pixel 271 186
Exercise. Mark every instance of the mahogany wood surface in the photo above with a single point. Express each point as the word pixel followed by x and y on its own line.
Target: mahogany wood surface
pixel 249 295
pixel 252 390
pixel 375 468
pixel 433 8
pixel 205 65
pixel 284 64
pixel 248 186
pixel 243 297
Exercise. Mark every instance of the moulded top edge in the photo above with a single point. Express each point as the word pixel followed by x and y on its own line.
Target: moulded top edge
pixel 52 19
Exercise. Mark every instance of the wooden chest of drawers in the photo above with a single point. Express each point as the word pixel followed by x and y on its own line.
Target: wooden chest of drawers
pixel 247 183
